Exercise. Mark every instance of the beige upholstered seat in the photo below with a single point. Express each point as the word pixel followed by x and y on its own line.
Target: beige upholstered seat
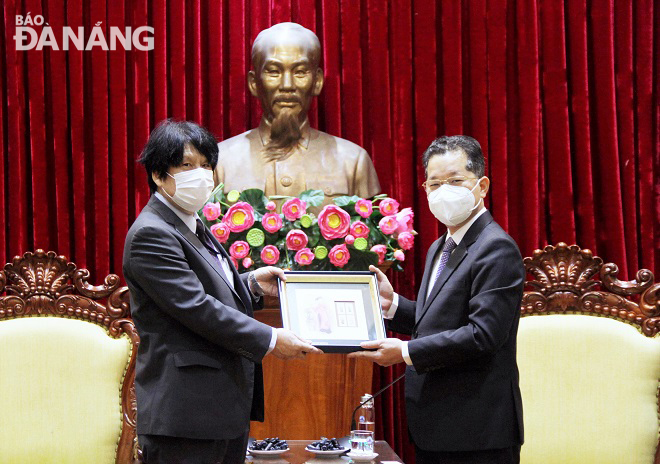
pixel 590 384
pixel 67 365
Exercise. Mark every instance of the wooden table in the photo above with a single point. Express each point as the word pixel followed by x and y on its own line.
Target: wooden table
pixel 298 455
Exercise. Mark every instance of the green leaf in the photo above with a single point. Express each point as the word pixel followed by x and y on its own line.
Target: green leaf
pixel 360 260
pixel 312 197
pixel 346 200
pixel 256 198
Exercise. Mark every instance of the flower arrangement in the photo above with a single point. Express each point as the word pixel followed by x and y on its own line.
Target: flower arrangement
pixel 348 235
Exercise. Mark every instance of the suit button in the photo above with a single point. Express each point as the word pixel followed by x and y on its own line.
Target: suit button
pixel 327 191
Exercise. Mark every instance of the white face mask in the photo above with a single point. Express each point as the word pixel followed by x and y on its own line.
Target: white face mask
pixel 452 204
pixel 193 188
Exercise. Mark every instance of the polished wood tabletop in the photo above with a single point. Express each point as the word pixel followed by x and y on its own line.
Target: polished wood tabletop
pixel 297 454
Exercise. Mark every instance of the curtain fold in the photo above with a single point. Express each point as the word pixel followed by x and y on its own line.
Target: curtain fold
pixel 563 97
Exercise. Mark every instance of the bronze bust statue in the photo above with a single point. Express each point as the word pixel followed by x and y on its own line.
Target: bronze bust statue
pixel 284 156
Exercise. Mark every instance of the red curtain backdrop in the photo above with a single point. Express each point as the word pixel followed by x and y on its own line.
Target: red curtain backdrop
pixel 561 95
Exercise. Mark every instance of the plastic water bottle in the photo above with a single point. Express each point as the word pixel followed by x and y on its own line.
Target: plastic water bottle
pixel 366 415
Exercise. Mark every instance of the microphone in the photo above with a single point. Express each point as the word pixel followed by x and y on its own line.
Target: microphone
pixel 353 424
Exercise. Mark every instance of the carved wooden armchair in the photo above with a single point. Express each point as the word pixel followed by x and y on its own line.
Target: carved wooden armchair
pixel 67 364
pixel 590 384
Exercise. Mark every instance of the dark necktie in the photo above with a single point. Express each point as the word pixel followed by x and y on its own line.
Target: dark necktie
pixel 208 244
pixel 444 256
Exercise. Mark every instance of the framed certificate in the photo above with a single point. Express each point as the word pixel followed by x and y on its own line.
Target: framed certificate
pixel 335 310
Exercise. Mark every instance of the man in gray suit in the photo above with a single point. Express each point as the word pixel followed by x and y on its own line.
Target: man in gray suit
pixel 463 402
pixel 198 376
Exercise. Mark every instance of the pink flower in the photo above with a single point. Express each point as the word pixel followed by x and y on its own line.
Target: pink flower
pixel 399 255
pixel 350 240
pixel 294 209
pixel 234 261
pixel 296 239
pixel 333 222
pixel 388 224
pixel 304 257
pixel 359 229
pixel 239 217
pixel 388 206
pixel 270 206
pixel 363 207
pixel 404 218
pixel 339 255
pixel 406 240
pixel 380 250
pixel 212 211
pixel 220 231
pixel 270 254
pixel 272 222
pixel 247 262
pixel 239 249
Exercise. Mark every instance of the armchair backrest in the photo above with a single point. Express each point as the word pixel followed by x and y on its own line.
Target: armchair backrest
pixel 67 364
pixel 589 359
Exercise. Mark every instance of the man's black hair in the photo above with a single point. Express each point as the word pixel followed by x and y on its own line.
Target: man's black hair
pixel 164 149
pixel 475 157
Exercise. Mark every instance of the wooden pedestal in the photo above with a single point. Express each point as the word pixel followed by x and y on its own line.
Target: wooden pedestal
pixel 309 398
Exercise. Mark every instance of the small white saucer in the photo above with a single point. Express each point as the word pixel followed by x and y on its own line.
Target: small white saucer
pixel 327 453
pixel 362 457
pixel 267 453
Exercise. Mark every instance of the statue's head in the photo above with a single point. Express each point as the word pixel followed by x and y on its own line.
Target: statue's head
pixel 285 77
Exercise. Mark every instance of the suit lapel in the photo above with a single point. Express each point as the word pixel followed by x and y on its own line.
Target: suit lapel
pixel 453 263
pixel 241 289
pixel 171 218
pixel 428 267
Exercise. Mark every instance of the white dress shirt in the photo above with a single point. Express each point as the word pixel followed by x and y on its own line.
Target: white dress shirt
pixel 457 237
pixel 190 220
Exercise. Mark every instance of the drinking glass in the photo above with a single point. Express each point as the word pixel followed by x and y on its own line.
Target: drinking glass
pixel 362 442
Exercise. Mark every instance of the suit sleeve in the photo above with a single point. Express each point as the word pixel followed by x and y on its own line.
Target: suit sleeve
pixel 158 265
pixel 497 280
pixel 404 317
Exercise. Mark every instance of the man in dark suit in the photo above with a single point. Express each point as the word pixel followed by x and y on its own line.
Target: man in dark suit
pixel 198 377
pixel 463 401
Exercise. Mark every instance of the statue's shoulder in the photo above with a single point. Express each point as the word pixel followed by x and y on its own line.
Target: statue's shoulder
pixel 238 142
pixel 345 147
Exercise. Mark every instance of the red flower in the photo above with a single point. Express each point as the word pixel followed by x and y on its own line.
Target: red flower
pixel 333 222
pixel 270 254
pixel 239 217
pixel 399 255
pixel 211 211
pixel 239 249
pixel 388 225
pixel 220 231
pixel 294 209
pixel 247 262
pixel 388 206
pixel 380 250
pixel 296 239
pixel 359 229
pixel 272 222
pixel 363 207
pixel 404 219
pixel 406 240
pixel 339 255
pixel 304 257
